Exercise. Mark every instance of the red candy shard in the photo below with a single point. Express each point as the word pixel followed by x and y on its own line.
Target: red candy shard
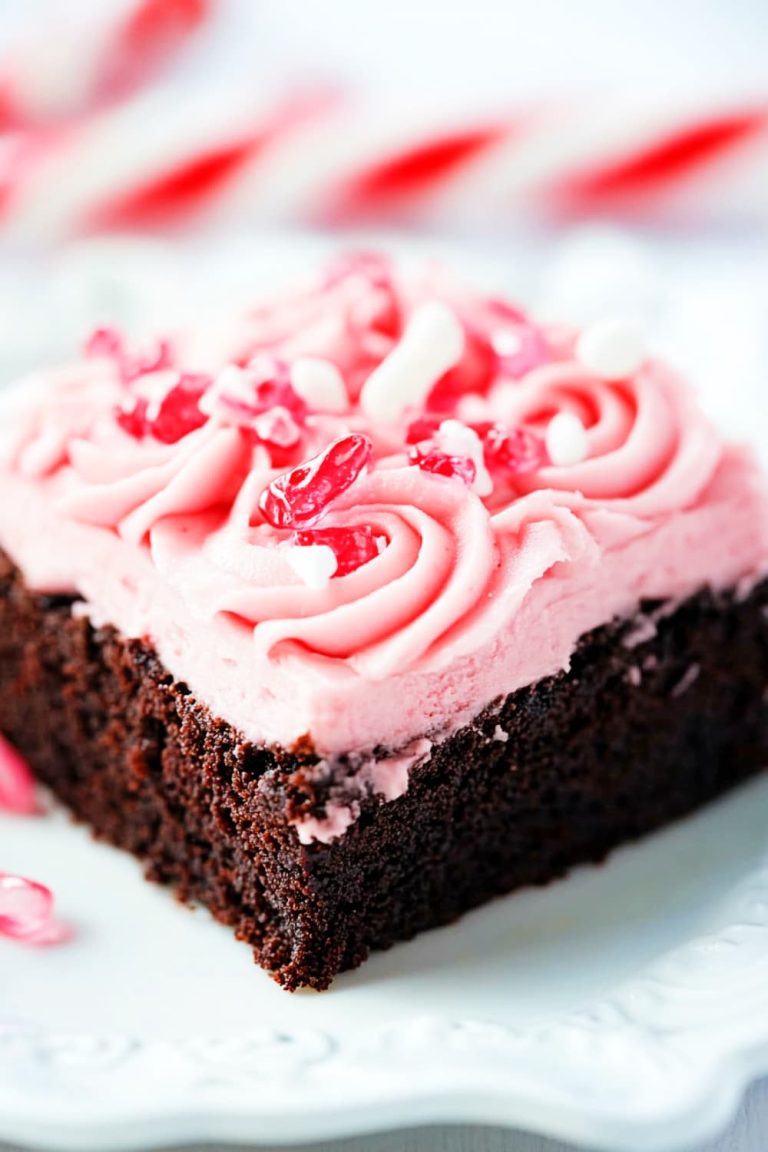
pixel 17 787
pixel 26 910
pixel 271 391
pixel 179 412
pixel 352 547
pixel 439 463
pixel 298 498
pixel 516 451
pixel 131 416
pixel 273 388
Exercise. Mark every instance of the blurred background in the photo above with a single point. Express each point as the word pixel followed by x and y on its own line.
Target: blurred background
pixel 162 158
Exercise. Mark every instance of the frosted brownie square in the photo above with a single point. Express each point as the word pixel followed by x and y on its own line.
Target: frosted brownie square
pixel 381 602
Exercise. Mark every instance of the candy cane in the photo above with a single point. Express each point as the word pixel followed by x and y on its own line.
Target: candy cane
pixel 100 146
pixel 318 160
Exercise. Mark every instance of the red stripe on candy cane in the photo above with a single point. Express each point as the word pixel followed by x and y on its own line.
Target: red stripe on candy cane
pixel 11 118
pixel 413 172
pixel 662 164
pixel 154 31
pixel 188 186
pixel 179 191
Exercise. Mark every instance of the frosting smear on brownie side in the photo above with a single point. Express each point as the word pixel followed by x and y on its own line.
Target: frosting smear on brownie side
pixel 370 509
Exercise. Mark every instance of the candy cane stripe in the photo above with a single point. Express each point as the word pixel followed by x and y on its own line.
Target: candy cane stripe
pixel 414 171
pixel 178 192
pixel 664 162
pixel 151 35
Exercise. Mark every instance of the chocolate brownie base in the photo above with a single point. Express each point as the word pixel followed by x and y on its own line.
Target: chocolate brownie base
pixel 657 715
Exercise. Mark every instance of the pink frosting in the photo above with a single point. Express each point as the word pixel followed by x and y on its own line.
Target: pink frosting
pixel 476 592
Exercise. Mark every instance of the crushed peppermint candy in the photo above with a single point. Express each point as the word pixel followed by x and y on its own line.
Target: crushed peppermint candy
pixel 439 463
pixel 17 786
pixel 515 451
pixel 352 547
pixel 259 397
pixel 298 498
pixel 26 911
pixel 458 439
pixel 170 419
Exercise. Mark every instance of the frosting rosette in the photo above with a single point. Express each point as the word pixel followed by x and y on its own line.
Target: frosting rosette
pixel 649 450
pixel 447 576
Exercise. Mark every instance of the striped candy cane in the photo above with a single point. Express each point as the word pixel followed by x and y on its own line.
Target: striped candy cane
pixel 124 152
pixel 314 160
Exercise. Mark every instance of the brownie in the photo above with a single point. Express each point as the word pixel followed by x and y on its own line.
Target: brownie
pixel 648 724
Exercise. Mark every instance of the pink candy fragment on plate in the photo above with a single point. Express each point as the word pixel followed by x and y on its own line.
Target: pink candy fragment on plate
pixel 26 911
pixel 17 788
pixel 26 907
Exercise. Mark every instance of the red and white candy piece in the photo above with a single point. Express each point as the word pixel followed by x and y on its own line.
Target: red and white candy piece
pixel 459 440
pixel 514 451
pixel 169 419
pixel 440 463
pixel 298 498
pixel 432 344
pixel 26 911
pixel 352 546
pixel 260 397
pixel 17 787
pixel 510 452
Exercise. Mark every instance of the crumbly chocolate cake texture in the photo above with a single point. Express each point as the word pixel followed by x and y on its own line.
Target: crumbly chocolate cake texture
pixel 648 724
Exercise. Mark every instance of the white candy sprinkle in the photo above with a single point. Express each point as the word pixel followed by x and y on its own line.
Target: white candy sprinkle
pixel 456 439
pixel 566 440
pixel 431 345
pixel 612 349
pixel 315 564
pixel 319 382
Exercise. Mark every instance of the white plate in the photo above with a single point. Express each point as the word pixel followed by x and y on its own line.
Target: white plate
pixel 624 1007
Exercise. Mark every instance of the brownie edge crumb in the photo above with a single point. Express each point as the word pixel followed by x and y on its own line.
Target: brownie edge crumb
pixel 635 735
